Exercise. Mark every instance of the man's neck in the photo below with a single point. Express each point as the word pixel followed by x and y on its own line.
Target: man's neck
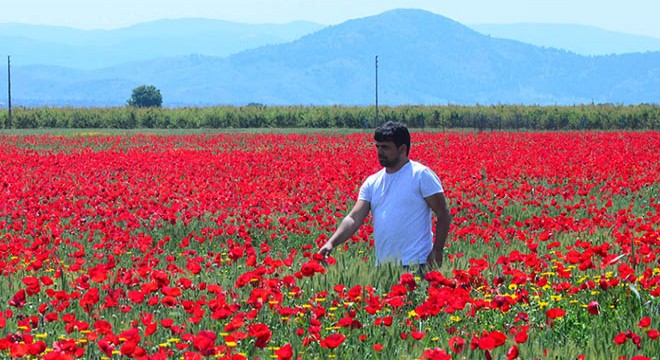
pixel 397 167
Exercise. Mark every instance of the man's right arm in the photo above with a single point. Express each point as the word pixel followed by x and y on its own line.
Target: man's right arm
pixel 348 226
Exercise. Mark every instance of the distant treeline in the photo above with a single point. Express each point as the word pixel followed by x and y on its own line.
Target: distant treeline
pixel 496 117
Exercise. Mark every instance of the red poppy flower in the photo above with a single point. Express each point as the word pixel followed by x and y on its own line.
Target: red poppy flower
pixel 521 336
pixel 333 341
pixel 204 342
pixel 18 350
pixel 636 339
pixel 37 348
pixel 620 338
pixel 387 320
pixel 193 266
pixel 51 316
pixel 47 281
pixel 189 355
pixel 128 348
pixel 169 301
pixel 435 354
pixel 499 337
pixel 235 323
pixel 98 273
pixel 103 327
pixel 456 344
pixel 32 284
pixel 311 267
pixel 355 293
pixel 285 352
pixel 150 328
pixel 161 278
pixel 167 323
pixel 136 296
pixel 408 280
pixel 555 313
pixel 486 343
pixel 417 335
pixel 18 300
pixel 261 332
pixel 171 291
pixel 90 299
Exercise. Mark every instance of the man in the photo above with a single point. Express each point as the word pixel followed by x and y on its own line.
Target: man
pixel 401 197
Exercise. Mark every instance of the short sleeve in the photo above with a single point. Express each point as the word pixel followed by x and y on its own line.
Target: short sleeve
pixel 366 191
pixel 430 183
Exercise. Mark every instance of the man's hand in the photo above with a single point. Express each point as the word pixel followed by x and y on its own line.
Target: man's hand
pixel 434 259
pixel 326 249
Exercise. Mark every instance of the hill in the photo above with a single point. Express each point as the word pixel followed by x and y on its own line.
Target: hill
pixel 580 39
pixel 424 58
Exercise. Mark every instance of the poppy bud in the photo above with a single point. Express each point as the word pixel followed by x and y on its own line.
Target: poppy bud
pixel 593 308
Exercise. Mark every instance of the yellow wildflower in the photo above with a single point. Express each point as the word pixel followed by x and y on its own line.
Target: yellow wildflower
pixel 512 286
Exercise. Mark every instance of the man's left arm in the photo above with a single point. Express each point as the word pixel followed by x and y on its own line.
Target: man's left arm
pixel 438 204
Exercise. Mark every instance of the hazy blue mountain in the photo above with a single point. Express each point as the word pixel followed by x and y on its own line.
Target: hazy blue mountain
pixel 89 49
pixel 423 58
pixel 581 39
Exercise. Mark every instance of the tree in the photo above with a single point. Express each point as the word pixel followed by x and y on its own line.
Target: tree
pixel 145 96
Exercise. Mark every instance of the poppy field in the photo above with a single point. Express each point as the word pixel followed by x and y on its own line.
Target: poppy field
pixel 199 246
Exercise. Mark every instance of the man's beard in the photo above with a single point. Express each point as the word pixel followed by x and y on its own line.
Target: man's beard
pixel 387 162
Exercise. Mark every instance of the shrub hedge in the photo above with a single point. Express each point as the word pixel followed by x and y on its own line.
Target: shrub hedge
pixel 501 117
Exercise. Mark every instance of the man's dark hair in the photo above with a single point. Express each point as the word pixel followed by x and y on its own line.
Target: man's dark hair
pixel 395 132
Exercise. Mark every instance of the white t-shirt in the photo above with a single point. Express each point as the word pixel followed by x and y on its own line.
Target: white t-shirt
pixel 401 217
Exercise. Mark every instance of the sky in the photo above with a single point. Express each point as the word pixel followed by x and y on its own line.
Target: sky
pixel 640 17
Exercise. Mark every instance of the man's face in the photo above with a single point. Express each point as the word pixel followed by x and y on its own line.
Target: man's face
pixel 388 154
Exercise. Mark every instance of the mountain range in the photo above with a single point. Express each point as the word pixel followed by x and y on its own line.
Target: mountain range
pixel 91 49
pixel 422 58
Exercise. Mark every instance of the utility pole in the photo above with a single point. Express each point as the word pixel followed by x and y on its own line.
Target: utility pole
pixel 377 123
pixel 9 91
